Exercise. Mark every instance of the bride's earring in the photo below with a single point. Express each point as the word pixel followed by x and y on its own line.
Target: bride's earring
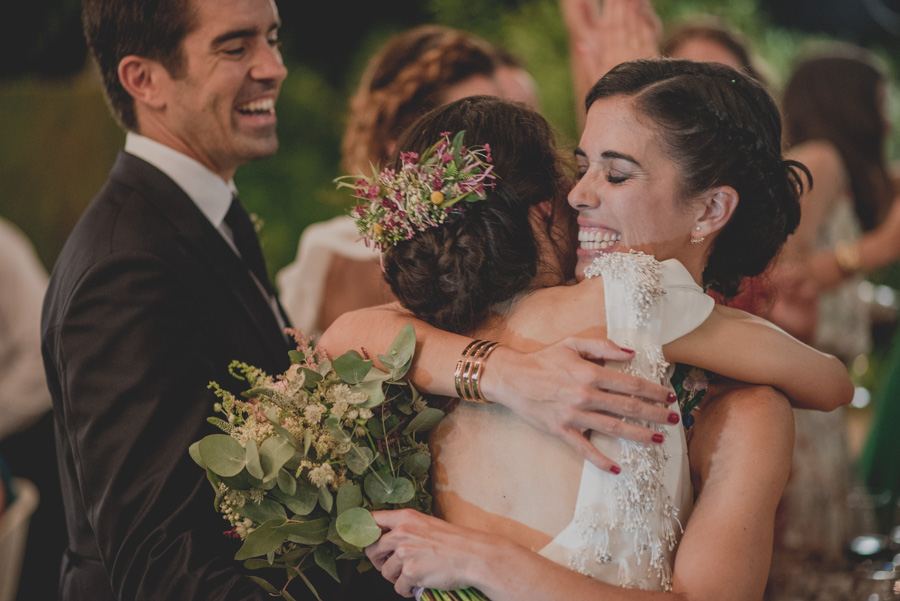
pixel 697 240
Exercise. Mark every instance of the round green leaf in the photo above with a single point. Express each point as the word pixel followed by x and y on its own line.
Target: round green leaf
pixel 261 541
pixel 222 454
pixel 359 458
pixel 351 367
pixel 348 495
pixel 274 452
pixel 326 499
pixel 264 511
pixel 383 488
pixel 425 420
pixel 194 452
pixel 358 527
pixel 311 532
pixel 304 499
pixel 417 465
pixel 286 482
pixel 253 465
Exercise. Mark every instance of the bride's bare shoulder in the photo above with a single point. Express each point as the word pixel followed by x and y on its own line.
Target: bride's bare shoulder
pixel 551 314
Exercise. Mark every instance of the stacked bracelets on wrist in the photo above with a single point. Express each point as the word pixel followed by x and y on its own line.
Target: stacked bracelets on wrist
pixel 468 370
pixel 847 256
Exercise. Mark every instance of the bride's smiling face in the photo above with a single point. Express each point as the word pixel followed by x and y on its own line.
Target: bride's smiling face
pixel 627 192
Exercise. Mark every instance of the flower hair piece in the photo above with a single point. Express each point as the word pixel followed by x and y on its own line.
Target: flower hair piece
pixel 425 192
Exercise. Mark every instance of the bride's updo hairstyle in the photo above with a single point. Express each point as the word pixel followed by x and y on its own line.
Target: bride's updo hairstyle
pixel 457 274
pixel 721 128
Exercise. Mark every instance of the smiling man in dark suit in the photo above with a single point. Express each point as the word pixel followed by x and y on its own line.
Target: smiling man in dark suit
pixel 160 285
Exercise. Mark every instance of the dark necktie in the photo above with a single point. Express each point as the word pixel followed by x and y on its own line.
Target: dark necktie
pixel 244 236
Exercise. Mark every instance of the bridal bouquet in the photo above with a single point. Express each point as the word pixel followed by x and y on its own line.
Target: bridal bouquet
pixel 307 454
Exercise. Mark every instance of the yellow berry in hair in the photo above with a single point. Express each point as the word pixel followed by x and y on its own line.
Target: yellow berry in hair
pixel 377 229
pixel 437 197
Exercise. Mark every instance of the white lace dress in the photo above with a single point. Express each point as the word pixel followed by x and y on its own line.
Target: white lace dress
pixel 618 529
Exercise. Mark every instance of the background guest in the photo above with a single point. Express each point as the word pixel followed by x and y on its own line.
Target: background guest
pixel 413 72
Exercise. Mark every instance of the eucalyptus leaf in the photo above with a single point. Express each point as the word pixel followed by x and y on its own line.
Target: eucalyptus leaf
pixel 373 390
pixel 312 377
pixel 311 532
pixel 296 357
pixel 348 495
pixel 326 500
pixel 384 488
pixel 324 367
pixel 358 527
pixel 262 512
pixel 257 564
pixel 398 357
pixel 287 483
pixel 263 540
pixel 359 458
pixel 307 441
pixel 222 454
pixel 304 499
pixel 333 424
pixel 353 554
pixel 194 452
pixel 253 466
pixel 417 464
pixel 264 585
pixel 324 556
pixel 274 452
pixel 380 427
pixel 351 367
pixel 428 418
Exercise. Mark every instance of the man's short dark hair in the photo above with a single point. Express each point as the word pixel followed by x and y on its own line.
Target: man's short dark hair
pixel 151 29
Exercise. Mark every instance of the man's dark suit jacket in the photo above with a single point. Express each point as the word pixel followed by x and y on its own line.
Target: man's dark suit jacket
pixel 146 305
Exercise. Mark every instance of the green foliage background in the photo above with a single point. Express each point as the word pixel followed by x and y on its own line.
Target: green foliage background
pixel 58 141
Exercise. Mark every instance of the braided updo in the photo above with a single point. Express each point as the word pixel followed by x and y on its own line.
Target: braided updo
pixel 456 275
pixel 721 128
pixel 403 81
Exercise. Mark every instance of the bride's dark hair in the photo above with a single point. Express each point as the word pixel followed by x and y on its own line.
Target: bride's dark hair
pixel 456 275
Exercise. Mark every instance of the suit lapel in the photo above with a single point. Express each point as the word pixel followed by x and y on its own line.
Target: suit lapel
pixel 207 243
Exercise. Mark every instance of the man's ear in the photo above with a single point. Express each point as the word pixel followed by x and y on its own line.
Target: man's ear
pixel 716 209
pixel 145 79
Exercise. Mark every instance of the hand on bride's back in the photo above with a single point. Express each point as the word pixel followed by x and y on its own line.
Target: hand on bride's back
pixel 566 391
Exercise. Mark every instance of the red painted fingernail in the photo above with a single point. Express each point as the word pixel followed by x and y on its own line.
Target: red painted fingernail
pixel 627 350
pixel 658 437
pixel 615 469
pixel 671 397
pixel 674 418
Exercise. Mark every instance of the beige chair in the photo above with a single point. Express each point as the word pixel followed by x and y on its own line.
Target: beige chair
pixel 13 533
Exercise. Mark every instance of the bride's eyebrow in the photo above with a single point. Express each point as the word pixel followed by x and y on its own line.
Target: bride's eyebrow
pixel 579 153
pixel 612 154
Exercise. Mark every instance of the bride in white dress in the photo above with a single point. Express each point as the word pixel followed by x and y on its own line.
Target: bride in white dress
pixel 506 489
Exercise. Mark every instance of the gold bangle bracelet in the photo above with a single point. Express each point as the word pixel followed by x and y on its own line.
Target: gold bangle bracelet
pixel 468 370
pixel 476 377
pixel 461 365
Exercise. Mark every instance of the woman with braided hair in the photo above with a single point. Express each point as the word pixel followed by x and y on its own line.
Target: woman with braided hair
pixel 413 72
pixel 682 185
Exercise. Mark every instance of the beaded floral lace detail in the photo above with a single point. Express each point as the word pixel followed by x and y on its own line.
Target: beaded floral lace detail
pixel 643 517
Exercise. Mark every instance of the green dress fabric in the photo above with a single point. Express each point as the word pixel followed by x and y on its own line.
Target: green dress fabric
pixel 879 462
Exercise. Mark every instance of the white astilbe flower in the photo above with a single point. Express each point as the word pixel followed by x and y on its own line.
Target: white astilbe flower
pixel 343 393
pixel 313 412
pixel 339 409
pixel 322 475
pixel 254 428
